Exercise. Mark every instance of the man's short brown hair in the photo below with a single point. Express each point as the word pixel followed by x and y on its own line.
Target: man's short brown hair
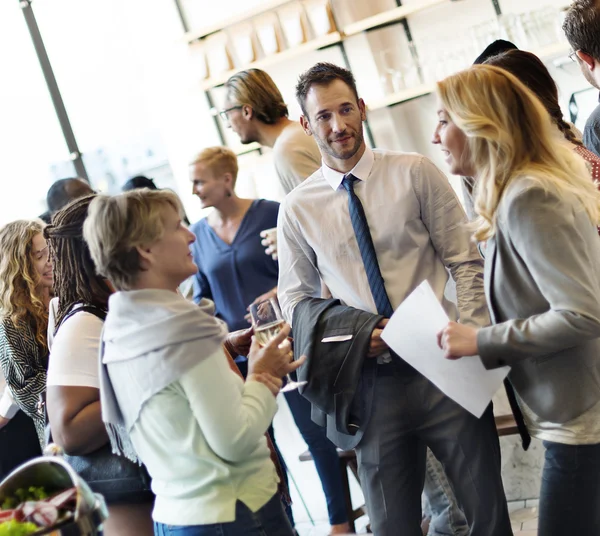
pixel 322 74
pixel 116 226
pixel 582 26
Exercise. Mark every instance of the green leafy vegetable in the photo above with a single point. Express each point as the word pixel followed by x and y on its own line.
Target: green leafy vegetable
pixel 32 493
pixel 16 528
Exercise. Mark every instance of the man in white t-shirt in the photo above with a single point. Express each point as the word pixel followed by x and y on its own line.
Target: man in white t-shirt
pixel 255 110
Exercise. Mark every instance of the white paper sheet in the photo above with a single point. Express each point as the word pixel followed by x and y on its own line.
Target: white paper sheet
pixel 411 333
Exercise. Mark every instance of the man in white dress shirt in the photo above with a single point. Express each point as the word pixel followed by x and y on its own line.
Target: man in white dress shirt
pixel 417 232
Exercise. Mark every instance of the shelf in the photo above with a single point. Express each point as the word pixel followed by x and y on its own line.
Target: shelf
pixel 264 7
pixel 285 55
pixel 392 15
pixel 546 53
pixel 401 96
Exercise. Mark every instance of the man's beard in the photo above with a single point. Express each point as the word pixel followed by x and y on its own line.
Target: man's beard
pixel 327 147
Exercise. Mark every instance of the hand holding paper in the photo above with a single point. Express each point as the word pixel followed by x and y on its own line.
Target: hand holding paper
pixel 412 333
pixel 458 340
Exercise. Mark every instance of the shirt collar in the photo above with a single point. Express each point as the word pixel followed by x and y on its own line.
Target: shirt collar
pixel 361 170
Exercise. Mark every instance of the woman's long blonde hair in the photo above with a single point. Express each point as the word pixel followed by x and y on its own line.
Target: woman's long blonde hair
pixel 19 297
pixel 510 134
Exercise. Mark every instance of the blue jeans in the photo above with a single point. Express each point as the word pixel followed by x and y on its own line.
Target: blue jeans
pixel 270 520
pixel 324 454
pixel 447 519
pixel 570 494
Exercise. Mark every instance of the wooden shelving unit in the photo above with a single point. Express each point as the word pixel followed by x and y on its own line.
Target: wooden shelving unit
pixel 545 53
pixel 400 96
pixel 192 36
pixel 392 16
pixel 285 55
pixel 387 17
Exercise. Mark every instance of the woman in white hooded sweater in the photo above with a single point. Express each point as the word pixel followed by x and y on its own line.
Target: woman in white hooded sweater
pixel 169 397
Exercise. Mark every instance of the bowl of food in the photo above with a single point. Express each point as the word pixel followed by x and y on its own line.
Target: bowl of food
pixel 46 497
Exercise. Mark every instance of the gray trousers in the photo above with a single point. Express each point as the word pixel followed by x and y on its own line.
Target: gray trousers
pixel 408 415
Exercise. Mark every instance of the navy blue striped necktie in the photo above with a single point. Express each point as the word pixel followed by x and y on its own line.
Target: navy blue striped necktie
pixel 366 248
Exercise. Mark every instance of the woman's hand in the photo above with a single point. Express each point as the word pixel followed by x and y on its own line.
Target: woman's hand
pixel 262 298
pixel 275 358
pixel 458 340
pixel 3 422
pixel 238 342
pixel 273 384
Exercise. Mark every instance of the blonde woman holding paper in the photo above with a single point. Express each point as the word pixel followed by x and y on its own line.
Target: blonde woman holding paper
pixel 537 212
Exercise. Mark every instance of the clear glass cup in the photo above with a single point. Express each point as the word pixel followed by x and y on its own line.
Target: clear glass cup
pixel 268 322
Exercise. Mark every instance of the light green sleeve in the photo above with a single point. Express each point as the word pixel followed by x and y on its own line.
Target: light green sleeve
pixel 232 414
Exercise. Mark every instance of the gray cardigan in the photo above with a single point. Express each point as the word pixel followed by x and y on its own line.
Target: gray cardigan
pixel 542 283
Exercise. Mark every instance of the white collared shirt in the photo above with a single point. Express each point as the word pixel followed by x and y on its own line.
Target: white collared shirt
pixel 418 230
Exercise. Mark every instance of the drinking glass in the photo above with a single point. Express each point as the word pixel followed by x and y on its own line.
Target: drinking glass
pixel 267 322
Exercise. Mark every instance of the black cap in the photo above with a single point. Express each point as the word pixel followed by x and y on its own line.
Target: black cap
pixel 497 47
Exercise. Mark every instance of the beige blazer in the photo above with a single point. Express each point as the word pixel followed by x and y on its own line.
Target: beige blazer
pixel 542 283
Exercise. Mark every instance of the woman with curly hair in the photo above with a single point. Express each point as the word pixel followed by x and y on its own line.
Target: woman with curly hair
pixel 25 284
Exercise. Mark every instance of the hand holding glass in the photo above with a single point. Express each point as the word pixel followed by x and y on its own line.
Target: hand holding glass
pixel 268 322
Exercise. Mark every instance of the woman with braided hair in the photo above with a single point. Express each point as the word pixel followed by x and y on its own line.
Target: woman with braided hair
pixel 532 72
pixel 76 320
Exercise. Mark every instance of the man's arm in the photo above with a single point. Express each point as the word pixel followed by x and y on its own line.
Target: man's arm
pixel 591 134
pixel 298 274
pixel 446 221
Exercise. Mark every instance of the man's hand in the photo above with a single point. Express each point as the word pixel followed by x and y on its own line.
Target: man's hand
pixel 377 345
pixel 3 422
pixel 458 340
pixel 238 342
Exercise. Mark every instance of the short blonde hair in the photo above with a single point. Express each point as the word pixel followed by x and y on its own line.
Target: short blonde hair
pixel 218 160
pixel 510 134
pixel 116 226
pixel 256 89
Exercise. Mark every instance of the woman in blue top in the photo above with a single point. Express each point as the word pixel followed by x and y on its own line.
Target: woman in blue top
pixel 234 272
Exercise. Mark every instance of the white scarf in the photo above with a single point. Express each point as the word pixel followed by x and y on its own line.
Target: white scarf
pixel 161 336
